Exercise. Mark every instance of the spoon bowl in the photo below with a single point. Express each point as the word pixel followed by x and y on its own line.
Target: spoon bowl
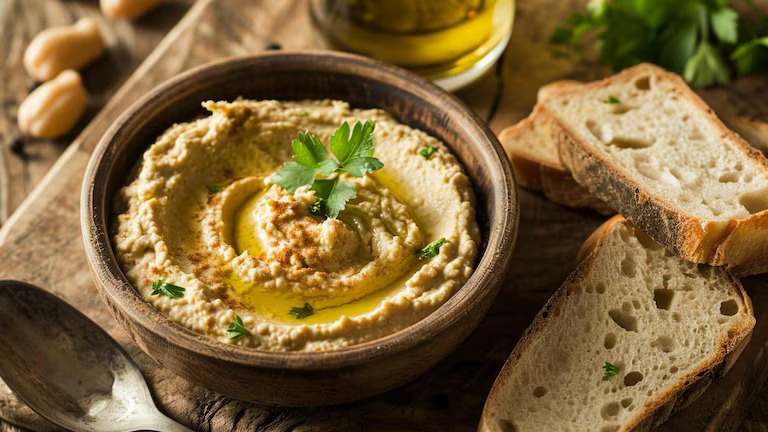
pixel 69 370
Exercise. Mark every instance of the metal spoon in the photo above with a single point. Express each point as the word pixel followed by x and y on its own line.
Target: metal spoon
pixel 69 370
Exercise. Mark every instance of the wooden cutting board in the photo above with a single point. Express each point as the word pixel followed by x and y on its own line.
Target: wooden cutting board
pixel 41 243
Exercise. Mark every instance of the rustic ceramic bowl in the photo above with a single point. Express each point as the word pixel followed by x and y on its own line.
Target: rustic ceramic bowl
pixel 303 378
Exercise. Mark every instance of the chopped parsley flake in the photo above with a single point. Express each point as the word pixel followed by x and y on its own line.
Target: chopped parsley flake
pixel 611 371
pixel 427 151
pixel 236 329
pixel 302 312
pixel 431 250
pixel 167 289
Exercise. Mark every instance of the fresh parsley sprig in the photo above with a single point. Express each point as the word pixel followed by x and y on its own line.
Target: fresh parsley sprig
pixel 302 312
pixel 236 329
pixel 694 38
pixel 353 155
pixel 610 371
pixel 167 289
pixel 431 250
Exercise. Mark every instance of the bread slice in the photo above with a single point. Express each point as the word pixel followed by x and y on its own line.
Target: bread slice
pixel 663 159
pixel 537 165
pixel 536 161
pixel 670 325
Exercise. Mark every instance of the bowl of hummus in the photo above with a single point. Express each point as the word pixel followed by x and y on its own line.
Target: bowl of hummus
pixel 299 228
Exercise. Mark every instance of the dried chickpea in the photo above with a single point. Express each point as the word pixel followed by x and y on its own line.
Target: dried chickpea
pixel 59 48
pixel 53 108
pixel 130 9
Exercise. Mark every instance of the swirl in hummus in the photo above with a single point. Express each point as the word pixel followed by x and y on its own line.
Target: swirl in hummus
pixel 202 213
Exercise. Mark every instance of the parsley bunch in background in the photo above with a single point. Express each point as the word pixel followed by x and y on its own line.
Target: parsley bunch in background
pixel 703 40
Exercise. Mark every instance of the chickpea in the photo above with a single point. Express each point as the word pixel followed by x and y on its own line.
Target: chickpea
pixel 59 48
pixel 130 9
pixel 53 108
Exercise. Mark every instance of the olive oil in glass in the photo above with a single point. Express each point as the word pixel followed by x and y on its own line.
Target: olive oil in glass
pixel 451 42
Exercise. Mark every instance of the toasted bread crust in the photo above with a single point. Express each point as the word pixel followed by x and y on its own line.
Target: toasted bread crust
pixel 656 411
pixel 687 236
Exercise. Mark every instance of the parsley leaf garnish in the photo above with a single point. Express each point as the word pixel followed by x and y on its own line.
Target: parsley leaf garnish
pixel 294 176
pixel 612 100
pixel 353 151
pixel 332 195
pixel 167 289
pixel 236 329
pixel 611 371
pixel 302 312
pixel 215 188
pixel 431 250
pixel 695 38
pixel 427 151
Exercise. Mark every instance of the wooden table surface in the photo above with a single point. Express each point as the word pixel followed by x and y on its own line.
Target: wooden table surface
pixel 23 165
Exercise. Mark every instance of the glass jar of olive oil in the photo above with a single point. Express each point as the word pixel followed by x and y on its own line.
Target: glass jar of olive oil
pixel 451 42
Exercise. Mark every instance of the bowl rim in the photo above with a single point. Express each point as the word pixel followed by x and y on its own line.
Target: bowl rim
pixel 112 283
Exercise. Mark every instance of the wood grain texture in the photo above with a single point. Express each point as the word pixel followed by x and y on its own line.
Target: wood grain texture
pixel 127 45
pixel 41 244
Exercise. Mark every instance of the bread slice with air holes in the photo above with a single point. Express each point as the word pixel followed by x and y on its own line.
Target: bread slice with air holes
pixel 671 326
pixel 647 145
pixel 536 161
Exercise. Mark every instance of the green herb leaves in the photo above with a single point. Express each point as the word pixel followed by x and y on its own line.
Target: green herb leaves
pixel 331 196
pixel 309 160
pixel 610 371
pixel 612 100
pixel 236 329
pixel 354 155
pixel 359 145
pixel 751 56
pixel 215 188
pixel 294 176
pixel 302 312
pixel 706 67
pixel 431 250
pixel 427 151
pixel 167 289
pixel 694 38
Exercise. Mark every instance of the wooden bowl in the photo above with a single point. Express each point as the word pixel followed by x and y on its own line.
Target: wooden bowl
pixel 303 378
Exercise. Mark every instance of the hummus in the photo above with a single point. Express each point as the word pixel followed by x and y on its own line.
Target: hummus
pixel 201 212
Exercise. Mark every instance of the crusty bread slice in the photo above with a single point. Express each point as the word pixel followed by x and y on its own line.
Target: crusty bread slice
pixel 663 159
pixel 672 326
pixel 537 165
pixel 536 161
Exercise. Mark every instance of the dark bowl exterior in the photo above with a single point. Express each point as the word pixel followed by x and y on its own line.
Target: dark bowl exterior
pixel 314 378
